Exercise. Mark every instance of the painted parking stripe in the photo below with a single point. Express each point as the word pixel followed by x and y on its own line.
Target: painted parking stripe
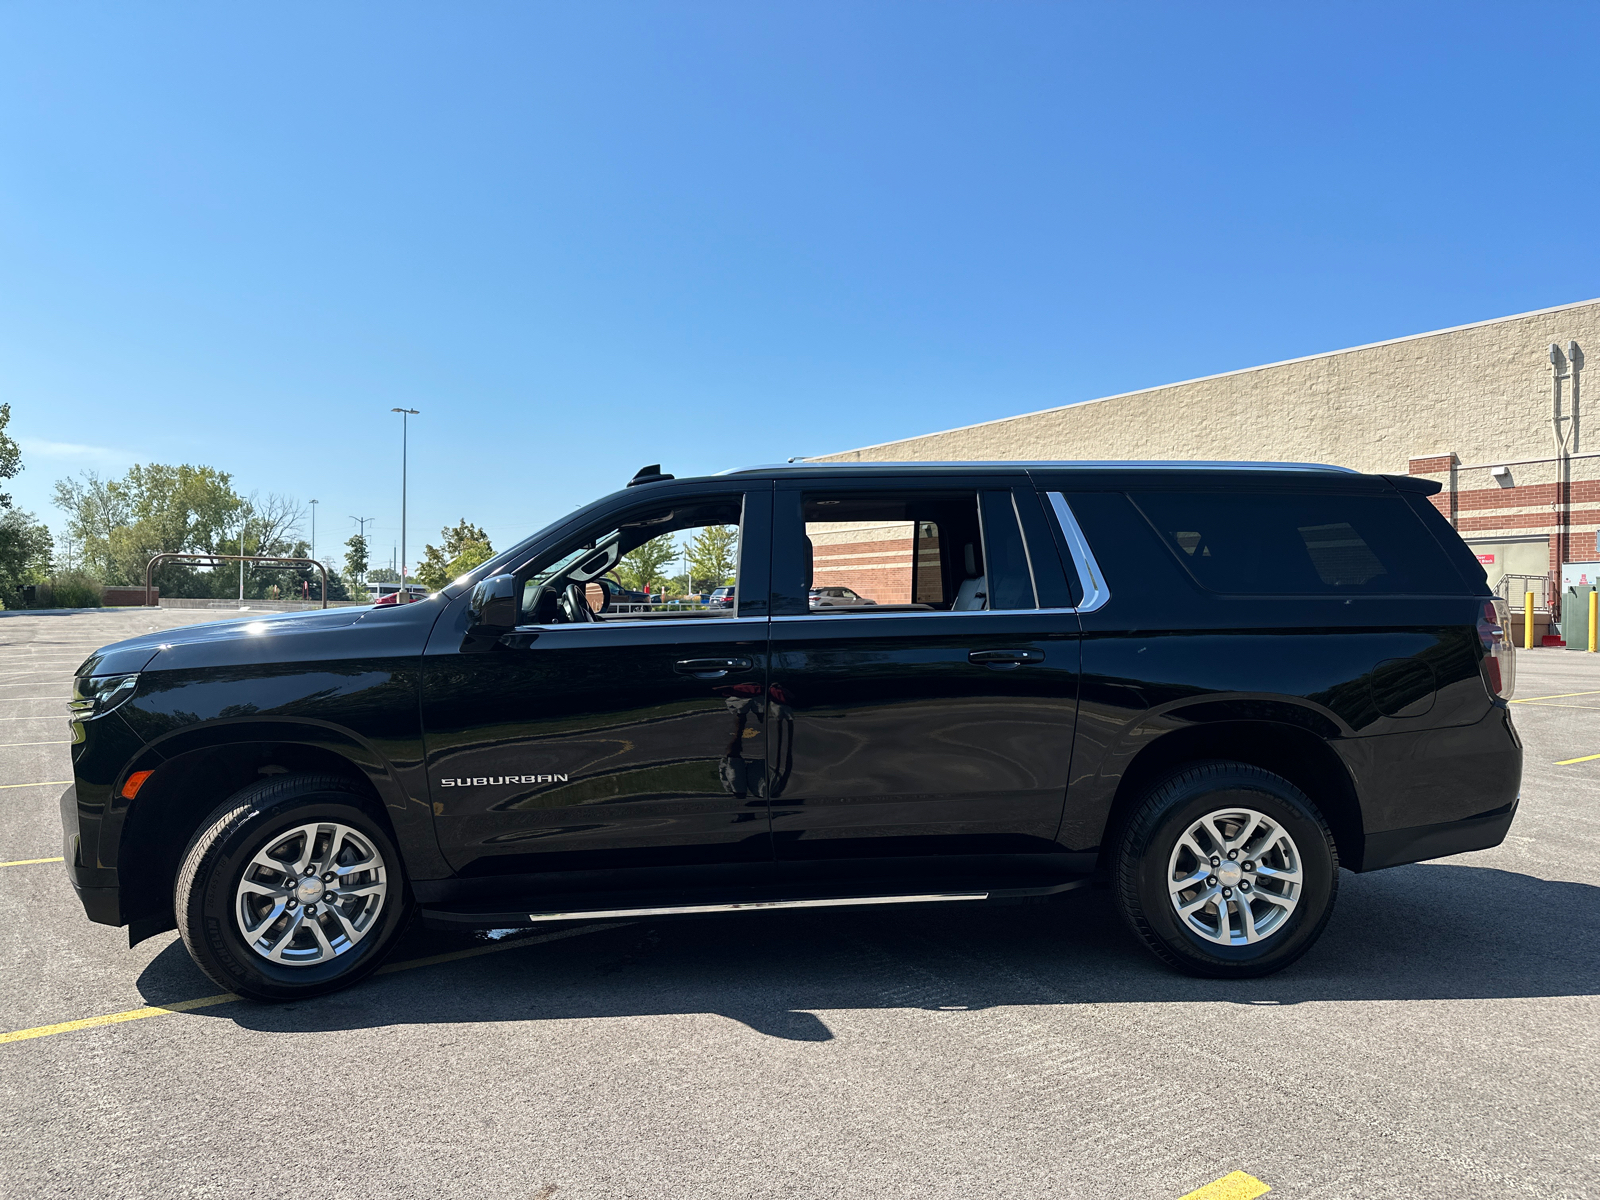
pixel 28 862
pixel 1237 1186
pixel 1567 762
pixel 161 1010
pixel 1557 696
pixel 46 783
pixel 63 742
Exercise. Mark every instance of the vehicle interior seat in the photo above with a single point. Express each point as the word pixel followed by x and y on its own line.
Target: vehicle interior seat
pixel 973 594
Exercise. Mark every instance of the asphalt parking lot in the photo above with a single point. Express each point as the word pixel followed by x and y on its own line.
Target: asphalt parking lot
pixel 1438 1042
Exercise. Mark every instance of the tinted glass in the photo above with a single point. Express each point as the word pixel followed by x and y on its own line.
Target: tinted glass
pixel 935 551
pixel 657 562
pixel 1298 543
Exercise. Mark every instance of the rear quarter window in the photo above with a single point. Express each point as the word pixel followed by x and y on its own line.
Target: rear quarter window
pixel 1299 543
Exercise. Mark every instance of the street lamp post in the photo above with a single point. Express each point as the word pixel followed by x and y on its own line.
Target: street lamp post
pixel 314 529
pixel 361 524
pixel 406 414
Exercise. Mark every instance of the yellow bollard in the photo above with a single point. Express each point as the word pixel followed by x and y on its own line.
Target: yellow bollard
pixel 1594 619
pixel 1527 621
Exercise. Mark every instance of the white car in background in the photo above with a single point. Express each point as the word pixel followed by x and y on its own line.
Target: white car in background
pixel 836 597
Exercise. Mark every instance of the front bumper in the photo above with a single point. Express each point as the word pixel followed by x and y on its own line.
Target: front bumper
pixel 96 886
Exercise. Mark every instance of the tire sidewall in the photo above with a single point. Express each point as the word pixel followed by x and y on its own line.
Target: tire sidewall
pixel 1276 798
pixel 211 902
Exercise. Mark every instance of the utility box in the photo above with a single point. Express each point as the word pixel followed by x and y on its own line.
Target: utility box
pixel 1575 615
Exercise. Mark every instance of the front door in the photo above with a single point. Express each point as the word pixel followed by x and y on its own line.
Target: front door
pixel 933 715
pixel 621 725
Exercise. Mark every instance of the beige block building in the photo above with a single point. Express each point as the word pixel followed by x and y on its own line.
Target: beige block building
pixel 1492 410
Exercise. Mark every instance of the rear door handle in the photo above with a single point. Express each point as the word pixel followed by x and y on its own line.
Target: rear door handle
pixel 1004 659
pixel 710 668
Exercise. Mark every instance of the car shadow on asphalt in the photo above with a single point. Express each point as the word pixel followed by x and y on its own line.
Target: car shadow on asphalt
pixel 1423 932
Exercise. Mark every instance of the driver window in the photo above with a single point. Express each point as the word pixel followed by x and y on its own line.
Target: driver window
pixel 676 561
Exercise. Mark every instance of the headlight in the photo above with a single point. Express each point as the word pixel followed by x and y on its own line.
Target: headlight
pixel 94 695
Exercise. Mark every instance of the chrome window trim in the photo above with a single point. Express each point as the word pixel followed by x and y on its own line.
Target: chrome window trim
pixel 823 614
pixel 650 622
pixel 1096 592
pixel 1027 550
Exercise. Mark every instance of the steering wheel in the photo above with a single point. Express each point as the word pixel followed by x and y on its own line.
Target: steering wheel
pixel 575 604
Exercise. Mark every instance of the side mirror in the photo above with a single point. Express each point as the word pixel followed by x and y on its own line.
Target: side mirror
pixel 494 603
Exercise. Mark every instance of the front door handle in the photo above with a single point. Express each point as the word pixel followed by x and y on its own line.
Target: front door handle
pixel 1003 660
pixel 710 668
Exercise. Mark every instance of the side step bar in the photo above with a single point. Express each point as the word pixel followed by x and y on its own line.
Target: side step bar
pixel 501 920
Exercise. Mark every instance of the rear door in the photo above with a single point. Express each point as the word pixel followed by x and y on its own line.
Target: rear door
pixel 936 723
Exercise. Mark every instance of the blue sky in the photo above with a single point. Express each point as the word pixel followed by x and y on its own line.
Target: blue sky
pixel 585 237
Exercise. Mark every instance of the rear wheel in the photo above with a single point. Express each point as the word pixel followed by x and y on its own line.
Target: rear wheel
pixel 291 888
pixel 1227 870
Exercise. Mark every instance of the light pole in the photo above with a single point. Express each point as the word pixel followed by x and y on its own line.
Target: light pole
pixel 314 530
pixel 242 521
pixel 361 524
pixel 405 415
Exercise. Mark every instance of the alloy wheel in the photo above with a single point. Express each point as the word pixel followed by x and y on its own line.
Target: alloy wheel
pixel 310 894
pixel 1235 877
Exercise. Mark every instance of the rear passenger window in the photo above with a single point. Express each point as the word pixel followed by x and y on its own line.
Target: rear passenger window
pixel 913 552
pixel 1299 543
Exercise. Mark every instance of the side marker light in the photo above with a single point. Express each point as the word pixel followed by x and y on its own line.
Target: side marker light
pixel 131 785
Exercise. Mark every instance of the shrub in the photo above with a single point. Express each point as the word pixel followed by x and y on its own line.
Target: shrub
pixel 71 589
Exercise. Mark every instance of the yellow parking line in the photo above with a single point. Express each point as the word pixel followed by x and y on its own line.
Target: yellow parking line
pixel 1557 696
pixel 161 1010
pixel 1567 762
pixel 28 862
pixel 46 783
pixel 133 1014
pixel 1238 1186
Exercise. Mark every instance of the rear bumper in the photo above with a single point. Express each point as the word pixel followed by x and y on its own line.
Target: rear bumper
pixel 1398 846
pixel 96 886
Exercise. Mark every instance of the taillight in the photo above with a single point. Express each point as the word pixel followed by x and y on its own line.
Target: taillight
pixel 1499 653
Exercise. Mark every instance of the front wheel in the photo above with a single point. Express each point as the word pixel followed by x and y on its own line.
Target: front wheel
pixel 291 888
pixel 1227 870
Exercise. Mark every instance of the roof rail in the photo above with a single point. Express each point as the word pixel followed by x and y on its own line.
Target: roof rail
pixel 1064 464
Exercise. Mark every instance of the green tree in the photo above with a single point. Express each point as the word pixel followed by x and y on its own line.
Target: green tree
pixel 642 567
pixel 383 575
pixel 355 558
pixel 466 546
pixel 10 454
pixel 114 526
pixel 25 551
pixel 713 556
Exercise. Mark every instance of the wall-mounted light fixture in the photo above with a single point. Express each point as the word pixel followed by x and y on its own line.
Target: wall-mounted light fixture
pixel 1502 476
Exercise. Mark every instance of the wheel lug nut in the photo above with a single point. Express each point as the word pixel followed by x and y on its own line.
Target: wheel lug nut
pixel 1248 865
pixel 1226 892
pixel 1211 881
pixel 328 878
pixel 1215 861
pixel 1245 886
pixel 1232 854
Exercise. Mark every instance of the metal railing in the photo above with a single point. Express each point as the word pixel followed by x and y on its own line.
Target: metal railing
pixel 1514 589
pixel 264 560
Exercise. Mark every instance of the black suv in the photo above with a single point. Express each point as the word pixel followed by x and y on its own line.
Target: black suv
pixel 1208 686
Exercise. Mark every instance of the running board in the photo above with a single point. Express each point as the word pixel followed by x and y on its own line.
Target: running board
pixel 501 920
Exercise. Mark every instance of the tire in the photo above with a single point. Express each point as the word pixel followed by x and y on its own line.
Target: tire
pixel 261 834
pixel 1272 828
